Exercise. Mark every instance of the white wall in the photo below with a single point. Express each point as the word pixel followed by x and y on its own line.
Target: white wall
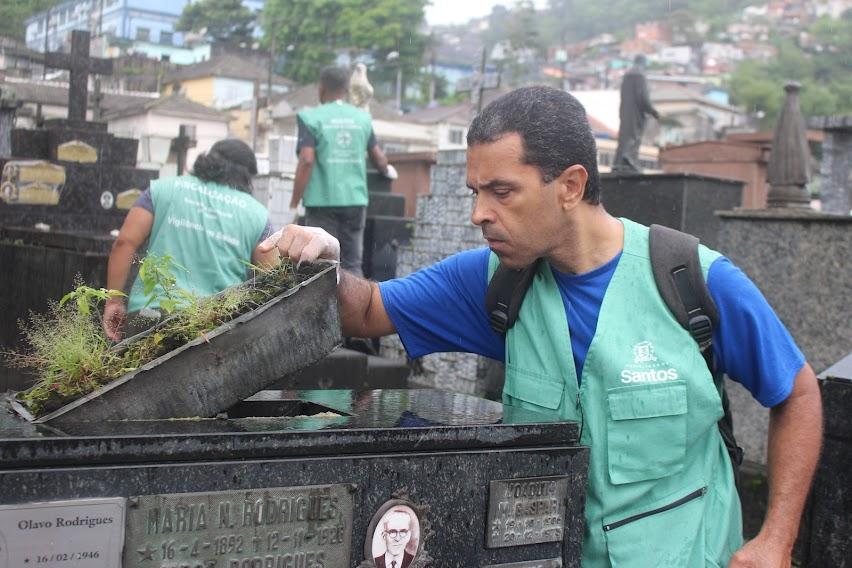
pixel 166 127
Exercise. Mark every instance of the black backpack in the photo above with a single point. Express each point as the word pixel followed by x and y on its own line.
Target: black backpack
pixel 677 272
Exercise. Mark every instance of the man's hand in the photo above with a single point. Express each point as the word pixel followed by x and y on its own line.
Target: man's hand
pixel 762 553
pixel 303 244
pixel 391 172
pixel 115 314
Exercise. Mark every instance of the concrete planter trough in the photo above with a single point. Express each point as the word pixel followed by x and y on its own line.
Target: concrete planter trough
pixel 231 363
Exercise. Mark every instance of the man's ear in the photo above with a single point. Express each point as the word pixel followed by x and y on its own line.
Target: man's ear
pixel 572 186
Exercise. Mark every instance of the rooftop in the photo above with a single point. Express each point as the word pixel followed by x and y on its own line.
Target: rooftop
pixel 172 105
pixel 227 66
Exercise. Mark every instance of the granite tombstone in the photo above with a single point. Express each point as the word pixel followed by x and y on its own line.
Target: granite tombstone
pixel 288 479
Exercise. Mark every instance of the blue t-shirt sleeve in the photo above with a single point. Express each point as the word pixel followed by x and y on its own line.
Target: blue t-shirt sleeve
pixel 442 307
pixel 145 201
pixel 751 344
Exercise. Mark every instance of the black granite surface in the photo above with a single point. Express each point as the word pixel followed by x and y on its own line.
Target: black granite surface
pixel 360 421
pixel 685 202
pixel 830 522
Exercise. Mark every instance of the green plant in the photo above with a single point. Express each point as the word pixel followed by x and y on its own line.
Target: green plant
pixel 72 357
pixel 87 298
pixel 160 283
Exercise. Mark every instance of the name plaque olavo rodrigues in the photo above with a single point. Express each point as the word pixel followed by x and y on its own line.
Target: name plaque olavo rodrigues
pixel 526 511
pixel 83 533
pixel 283 527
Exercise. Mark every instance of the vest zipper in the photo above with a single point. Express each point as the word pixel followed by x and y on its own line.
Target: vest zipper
pixel 694 495
pixel 579 407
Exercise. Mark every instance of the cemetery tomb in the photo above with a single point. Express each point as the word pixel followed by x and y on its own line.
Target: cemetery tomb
pixel 332 479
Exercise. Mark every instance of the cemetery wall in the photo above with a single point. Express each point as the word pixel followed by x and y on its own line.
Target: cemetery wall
pixel 800 261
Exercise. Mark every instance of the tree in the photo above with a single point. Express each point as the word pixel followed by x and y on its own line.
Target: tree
pixel 225 21
pixel 305 32
pixel 13 15
pixel 311 32
pixel 825 79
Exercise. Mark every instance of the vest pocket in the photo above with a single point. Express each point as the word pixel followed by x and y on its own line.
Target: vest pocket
pixel 646 432
pixel 664 533
pixel 532 390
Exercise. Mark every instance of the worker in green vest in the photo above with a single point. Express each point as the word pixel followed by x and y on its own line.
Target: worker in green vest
pixel 596 343
pixel 207 222
pixel 331 175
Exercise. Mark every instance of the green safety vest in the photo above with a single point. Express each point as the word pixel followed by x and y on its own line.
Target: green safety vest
pixel 339 177
pixel 207 228
pixel 661 489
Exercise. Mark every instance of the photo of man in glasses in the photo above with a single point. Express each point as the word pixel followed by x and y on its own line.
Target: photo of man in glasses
pixel 397 529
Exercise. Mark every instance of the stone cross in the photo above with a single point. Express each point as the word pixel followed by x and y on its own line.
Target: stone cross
pixel 789 168
pixel 184 141
pixel 80 66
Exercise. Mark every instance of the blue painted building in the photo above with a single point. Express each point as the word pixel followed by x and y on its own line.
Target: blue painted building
pixel 147 21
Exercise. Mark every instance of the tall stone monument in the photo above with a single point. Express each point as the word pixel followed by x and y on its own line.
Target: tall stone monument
pixel 789 169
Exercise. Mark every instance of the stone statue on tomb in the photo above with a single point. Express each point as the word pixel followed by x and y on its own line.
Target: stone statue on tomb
pixel 360 89
pixel 635 105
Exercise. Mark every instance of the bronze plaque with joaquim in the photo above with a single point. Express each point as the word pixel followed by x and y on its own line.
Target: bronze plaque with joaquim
pixel 283 526
pixel 526 511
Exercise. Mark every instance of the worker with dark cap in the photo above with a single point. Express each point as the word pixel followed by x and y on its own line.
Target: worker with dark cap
pixel 207 222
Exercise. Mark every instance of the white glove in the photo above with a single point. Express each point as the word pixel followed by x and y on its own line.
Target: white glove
pixel 391 173
pixel 303 244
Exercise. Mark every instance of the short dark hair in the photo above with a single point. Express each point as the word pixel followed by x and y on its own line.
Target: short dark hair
pixel 334 79
pixel 553 127
pixel 229 162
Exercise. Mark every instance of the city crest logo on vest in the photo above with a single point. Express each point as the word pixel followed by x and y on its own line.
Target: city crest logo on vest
pixel 646 368
pixel 344 138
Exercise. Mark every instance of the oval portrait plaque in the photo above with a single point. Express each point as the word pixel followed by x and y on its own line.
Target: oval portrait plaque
pixel 393 537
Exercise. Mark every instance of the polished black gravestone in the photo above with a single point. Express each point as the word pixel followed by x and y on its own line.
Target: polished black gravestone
pixel 299 479
pixel 386 230
pixel 685 202
pixel 825 540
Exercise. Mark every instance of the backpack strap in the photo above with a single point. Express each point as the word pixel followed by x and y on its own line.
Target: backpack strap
pixel 680 281
pixel 505 294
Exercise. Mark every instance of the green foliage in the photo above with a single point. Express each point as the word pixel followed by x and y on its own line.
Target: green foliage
pixel 87 298
pixel 13 15
pixel 825 75
pixel 71 356
pixel 159 283
pixel 225 21
pixel 308 33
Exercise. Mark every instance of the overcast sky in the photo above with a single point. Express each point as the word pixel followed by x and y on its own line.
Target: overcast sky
pixel 460 11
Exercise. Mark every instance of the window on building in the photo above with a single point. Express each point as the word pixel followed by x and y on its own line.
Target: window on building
pixel 166 38
pixel 40 26
pixel 456 136
pixel 143 34
pixel 63 17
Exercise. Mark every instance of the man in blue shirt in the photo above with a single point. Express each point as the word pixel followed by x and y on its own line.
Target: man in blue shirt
pixel 590 328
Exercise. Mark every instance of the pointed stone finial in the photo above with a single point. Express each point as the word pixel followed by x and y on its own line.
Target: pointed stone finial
pixel 788 171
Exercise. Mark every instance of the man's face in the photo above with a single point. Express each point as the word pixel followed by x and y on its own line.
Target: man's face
pixel 518 213
pixel 397 533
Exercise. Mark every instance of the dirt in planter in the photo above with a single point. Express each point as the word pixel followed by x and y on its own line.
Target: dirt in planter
pixel 69 353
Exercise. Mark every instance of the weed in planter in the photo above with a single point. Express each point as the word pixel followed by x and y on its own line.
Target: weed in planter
pixel 68 349
pixel 72 357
